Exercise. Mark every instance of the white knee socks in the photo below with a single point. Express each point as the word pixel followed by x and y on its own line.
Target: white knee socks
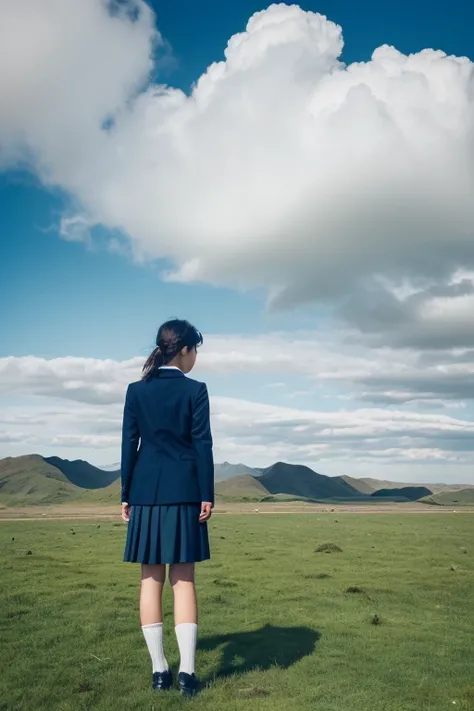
pixel 154 641
pixel 186 634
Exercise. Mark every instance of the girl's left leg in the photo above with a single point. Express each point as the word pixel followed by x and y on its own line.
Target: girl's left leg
pixel 185 613
pixel 151 614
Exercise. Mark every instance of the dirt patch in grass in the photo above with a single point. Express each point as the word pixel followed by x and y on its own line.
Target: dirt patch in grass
pixel 316 576
pixel 224 583
pixel 328 548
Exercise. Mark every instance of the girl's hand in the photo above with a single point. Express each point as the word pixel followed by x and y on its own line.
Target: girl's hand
pixel 125 512
pixel 206 511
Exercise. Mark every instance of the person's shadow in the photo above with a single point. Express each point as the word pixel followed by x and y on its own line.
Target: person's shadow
pixel 261 649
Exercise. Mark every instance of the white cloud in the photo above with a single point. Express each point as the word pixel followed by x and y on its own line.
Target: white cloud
pixel 364 441
pixel 429 316
pixel 380 376
pixel 284 168
pixel 83 422
pixel 80 379
pixel 75 228
pixel 11 437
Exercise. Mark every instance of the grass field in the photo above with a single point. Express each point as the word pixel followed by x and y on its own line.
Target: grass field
pixel 384 625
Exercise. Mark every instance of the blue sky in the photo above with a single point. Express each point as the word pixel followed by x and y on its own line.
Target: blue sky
pixel 97 298
pixel 70 299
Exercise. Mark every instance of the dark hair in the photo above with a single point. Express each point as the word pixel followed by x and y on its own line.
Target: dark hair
pixel 172 337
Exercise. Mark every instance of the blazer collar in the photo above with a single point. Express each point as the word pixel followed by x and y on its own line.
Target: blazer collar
pixel 171 373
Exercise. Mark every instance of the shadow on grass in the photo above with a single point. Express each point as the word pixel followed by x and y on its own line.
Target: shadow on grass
pixel 261 649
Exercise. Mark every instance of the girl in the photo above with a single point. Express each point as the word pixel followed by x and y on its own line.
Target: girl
pixel 168 491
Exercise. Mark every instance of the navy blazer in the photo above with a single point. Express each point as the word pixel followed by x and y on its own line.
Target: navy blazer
pixel 166 442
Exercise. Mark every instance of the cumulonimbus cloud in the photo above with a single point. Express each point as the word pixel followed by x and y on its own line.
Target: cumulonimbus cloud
pixel 283 168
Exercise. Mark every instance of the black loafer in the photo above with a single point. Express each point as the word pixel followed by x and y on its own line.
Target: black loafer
pixel 162 681
pixel 188 684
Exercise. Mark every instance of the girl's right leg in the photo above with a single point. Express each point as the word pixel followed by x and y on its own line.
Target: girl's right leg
pixel 151 614
pixel 186 617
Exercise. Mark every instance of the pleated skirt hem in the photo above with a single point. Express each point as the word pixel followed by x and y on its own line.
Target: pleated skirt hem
pixel 166 535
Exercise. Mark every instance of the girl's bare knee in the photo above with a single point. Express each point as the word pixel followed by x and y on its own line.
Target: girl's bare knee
pixel 154 572
pixel 181 573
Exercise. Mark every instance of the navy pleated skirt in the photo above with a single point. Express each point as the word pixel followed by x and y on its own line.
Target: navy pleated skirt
pixel 166 535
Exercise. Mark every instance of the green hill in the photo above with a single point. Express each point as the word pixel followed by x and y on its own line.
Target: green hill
pixel 225 471
pixel 83 474
pixel 461 497
pixel 361 485
pixel 107 495
pixel 31 480
pixel 298 480
pixel 378 484
pixel 34 480
pixel 241 487
pixel 406 493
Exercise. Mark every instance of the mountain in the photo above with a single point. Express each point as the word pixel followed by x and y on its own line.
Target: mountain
pixel 30 479
pixel 378 484
pixel 361 485
pixel 83 474
pixel 301 481
pixel 460 497
pixel 243 486
pixel 406 493
pixel 35 480
pixel 228 471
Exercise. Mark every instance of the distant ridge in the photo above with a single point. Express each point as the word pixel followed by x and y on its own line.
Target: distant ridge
pixel 228 471
pixel 378 484
pixel 83 474
pixel 301 481
pixel 30 479
pixel 406 493
pixel 459 497
pixel 33 479
pixel 360 485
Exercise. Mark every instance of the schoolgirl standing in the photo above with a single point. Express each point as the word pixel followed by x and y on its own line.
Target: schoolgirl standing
pixel 168 492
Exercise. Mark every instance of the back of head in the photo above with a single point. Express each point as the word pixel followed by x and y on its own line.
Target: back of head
pixel 173 336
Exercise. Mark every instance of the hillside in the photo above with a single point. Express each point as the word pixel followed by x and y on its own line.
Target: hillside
pixel 108 495
pixel 406 493
pixel 378 484
pixel 460 497
pixel 31 480
pixel 243 486
pixel 301 481
pixel 83 474
pixel 225 471
pixel 34 480
pixel 361 485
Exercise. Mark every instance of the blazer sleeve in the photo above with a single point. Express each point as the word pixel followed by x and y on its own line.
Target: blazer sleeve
pixel 130 442
pixel 202 443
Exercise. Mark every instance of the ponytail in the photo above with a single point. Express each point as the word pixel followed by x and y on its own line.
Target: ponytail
pixel 171 338
pixel 153 364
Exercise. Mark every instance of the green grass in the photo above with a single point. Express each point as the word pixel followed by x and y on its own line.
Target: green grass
pixel 384 625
